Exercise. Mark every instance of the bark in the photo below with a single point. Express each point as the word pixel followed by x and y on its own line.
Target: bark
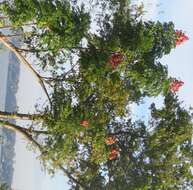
pixel 11 47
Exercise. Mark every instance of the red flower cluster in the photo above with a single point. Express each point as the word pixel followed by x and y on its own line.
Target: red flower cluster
pixel 115 59
pixel 113 154
pixel 175 85
pixel 110 140
pixel 181 37
pixel 84 123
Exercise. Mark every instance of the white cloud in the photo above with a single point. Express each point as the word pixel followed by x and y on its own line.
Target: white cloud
pixel 150 7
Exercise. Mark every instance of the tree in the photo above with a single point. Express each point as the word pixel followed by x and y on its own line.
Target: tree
pixel 108 71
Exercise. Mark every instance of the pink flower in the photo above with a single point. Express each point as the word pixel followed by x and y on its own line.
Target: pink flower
pixel 175 85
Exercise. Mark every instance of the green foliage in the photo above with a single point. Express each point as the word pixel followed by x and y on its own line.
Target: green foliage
pixel 153 156
pixel 164 38
pixel 151 79
pixel 56 24
pixel 71 136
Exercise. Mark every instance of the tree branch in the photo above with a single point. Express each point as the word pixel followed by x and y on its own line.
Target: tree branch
pixel 61 77
pixel 20 130
pixel 124 133
pixel 12 35
pixel 71 177
pixel 15 115
pixel 11 26
pixel 29 138
pixel 32 50
pixel 12 47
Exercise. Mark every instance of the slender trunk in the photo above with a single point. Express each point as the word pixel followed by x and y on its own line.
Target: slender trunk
pixel 11 47
pixel 30 139
pixel 14 115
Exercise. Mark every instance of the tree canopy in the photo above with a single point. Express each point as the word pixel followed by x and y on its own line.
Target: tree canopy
pixel 156 155
pixel 91 78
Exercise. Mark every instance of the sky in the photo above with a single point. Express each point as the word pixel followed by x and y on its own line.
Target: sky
pixel 28 171
pixel 180 65
pixel 180 60
pixel 3 75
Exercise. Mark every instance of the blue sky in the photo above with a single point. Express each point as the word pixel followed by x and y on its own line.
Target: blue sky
pixel 180 60
pixel 180 65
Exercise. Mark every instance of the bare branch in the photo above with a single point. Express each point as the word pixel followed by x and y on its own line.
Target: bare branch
pixel 21 131
pixel 12 26
pixel 13 35
pixel 71 177
pixel 12 47
pixel 15 115
pixel 61 77
pixel 32 50
pixel 29 138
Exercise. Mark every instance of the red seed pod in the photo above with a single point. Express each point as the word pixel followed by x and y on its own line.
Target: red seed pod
pixel 113 154
pixel 115 59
